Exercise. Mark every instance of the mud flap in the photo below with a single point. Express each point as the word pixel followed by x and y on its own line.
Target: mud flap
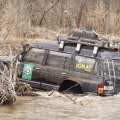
pixel 27 71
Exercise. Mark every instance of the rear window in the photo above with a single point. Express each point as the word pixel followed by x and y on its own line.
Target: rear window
pixel 85 64
pixel 59 60
pixel 34 56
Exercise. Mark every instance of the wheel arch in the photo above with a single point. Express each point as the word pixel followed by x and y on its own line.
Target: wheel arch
pixel 67 84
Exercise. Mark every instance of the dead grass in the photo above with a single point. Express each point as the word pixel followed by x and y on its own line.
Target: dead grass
pixel 35 35
pixel 32 36
pixel 37 32
pixel 111 37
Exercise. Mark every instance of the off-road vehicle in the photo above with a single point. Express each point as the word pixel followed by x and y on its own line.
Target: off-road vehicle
pixel 80 61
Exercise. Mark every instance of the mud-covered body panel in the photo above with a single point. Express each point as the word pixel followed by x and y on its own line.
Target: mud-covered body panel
pixel 81 67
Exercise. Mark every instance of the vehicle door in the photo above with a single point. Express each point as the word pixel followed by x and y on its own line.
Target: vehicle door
pixel 56 67
pixel 32 62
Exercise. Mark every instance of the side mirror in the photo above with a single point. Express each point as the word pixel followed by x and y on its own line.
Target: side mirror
pixel 58 36
pixel 20 58
pixel 25 47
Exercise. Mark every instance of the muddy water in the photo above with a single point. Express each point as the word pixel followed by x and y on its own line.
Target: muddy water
pixel 62 107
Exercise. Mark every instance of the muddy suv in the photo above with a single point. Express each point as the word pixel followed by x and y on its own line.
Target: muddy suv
pixel 76 62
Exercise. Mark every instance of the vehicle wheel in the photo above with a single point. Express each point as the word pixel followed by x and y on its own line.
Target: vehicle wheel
pixel 69 86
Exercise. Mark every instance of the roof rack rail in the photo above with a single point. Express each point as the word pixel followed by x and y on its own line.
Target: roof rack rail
pixel 87 41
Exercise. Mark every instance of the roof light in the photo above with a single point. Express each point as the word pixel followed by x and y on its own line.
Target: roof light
pixel 61 46
pixel 78 47
pixel 95 51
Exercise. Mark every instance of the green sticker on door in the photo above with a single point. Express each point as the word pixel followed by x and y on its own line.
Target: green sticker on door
pixel 27 71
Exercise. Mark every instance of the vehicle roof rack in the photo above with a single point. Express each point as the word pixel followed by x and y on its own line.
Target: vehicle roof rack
pixel 90 42
pixel 81 40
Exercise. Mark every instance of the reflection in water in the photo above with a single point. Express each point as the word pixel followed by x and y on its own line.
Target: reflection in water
pixel 61 107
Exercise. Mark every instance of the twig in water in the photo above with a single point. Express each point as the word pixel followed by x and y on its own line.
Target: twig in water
pixel 51 93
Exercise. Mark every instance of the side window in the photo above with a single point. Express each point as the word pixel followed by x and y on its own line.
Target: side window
pixel 59 60
pixel 85 64
pixel 34 56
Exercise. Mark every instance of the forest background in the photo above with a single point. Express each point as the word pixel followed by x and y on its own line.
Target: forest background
pixel 21 20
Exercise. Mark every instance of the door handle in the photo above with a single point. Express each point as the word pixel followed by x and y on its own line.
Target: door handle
pixel 37 68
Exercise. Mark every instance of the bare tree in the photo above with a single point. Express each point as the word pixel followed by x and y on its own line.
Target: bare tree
pixel 101 15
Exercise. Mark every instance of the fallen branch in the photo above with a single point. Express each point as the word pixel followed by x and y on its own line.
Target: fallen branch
pixel 24 89
pixel 40 23
pixel 7 91
pixel 10 27
pixel 5 24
